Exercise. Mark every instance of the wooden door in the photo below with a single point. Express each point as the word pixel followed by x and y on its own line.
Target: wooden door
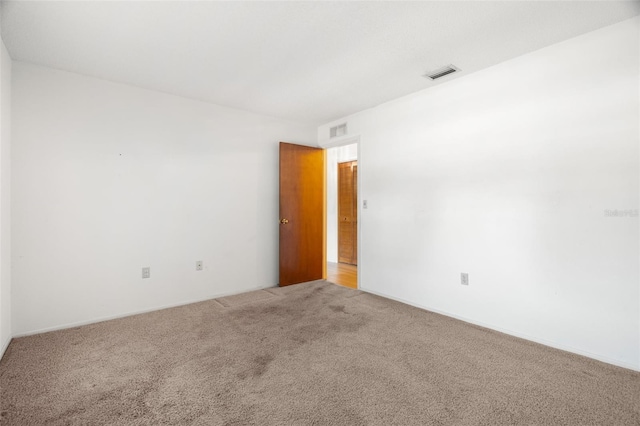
pixel 348 212
pixel 302 214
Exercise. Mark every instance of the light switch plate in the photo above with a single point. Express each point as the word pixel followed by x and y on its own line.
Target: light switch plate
pixel 464 278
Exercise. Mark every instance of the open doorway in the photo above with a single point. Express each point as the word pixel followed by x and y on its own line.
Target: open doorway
pixel 342 215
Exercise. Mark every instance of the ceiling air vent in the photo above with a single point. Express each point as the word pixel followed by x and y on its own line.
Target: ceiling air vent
pixel 339 130
pixel 441 72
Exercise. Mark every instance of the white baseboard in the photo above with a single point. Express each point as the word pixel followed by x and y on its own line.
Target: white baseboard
pixel 131 313
pixel 555 345
pixel 4 347
pixel 513 333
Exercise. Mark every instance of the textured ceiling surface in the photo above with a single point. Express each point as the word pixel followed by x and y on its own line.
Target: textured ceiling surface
pixel 305 61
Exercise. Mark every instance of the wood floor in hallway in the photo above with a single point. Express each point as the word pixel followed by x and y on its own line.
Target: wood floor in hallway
pixel 342 274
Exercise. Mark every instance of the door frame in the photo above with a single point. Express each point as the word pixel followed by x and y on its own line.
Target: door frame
pixel 335 143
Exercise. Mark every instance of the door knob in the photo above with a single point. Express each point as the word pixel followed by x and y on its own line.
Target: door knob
pixel 284 221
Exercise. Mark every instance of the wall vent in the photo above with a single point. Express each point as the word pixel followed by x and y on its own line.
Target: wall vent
pixel 441 72
pixel 337 131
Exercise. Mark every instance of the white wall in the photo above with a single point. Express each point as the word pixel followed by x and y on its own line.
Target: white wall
pixel 5 198
pixel 506 174
pixel 339 154
pixel 109 178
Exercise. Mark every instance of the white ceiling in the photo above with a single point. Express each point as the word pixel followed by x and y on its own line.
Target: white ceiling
pixel 305 61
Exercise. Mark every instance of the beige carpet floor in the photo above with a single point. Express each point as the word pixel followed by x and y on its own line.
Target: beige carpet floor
pixel 311 354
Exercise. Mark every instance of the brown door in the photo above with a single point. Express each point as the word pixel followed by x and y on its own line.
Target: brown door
pixel 348 212
pixel 302 212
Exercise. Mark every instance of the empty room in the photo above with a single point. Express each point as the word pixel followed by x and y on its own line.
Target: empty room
pixel 319 213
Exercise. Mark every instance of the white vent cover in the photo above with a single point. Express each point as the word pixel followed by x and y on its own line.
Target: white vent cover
pixel 441 72
pixel 339 130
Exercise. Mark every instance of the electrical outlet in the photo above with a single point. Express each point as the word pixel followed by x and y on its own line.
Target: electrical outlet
pixel 146 272
pixel 199 265
pixel 464 278
pixel 365 205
